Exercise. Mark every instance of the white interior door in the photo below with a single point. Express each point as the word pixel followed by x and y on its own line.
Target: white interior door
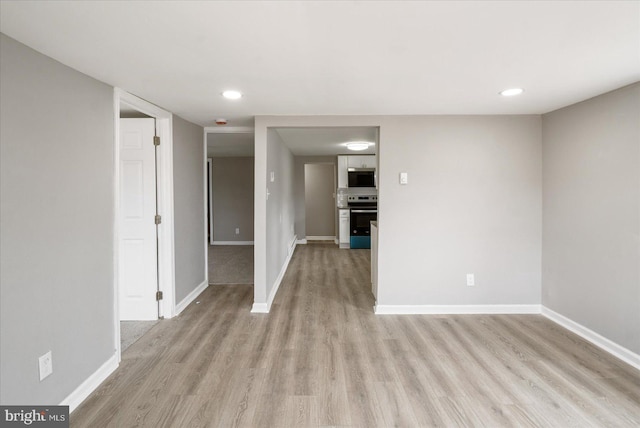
pixel 138 255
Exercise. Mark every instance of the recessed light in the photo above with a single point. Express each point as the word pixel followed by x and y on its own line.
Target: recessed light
pixel 232 95
pixel 511 92
pixel 358 145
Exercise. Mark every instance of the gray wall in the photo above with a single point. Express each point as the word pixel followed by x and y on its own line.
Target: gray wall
pixel 299 189
pixel 472 205
pixel 280 207
pixel 233 181
pixel 188 191
pixel 320 205
pixel 56 233
pixel 591 252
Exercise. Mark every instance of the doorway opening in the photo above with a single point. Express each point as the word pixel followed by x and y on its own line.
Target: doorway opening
pixel 143 229
pixel 319 201
pixel 230 205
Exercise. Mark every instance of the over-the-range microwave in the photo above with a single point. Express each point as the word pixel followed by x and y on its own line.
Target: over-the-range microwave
pixel 362 177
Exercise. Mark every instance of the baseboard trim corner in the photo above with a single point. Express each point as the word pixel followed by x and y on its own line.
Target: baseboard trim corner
pixel 301 241
pixel 259 308
pixel 600 341
pixel 190 298
pixel 455 309
pixel 90 384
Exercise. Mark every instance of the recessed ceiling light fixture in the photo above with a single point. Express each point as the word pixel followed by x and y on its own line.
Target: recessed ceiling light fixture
pixel 358 145
pixel 232 95
pixel 511 92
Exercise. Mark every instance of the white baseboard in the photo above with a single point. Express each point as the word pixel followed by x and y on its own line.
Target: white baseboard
pixel 232 242
pixel 190 298
pixel 264 308
pixel 600 341
pixel 320 238
pixel 330 238
pixel 455 309
pixel 260 308
pixel 90 384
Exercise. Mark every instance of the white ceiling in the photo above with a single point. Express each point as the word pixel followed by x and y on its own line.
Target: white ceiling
pixel 327 141
pixel 343 58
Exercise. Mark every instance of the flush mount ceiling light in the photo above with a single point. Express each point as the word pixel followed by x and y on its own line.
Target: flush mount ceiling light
pixel 358 145
pixel 511 92
pixel 232 95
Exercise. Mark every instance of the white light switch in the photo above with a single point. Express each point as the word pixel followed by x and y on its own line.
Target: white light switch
pixel 404 178
pixel 272 176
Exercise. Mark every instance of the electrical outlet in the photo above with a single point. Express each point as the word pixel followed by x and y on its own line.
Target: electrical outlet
pixel 237 231
pixel 45 364
pixel 471 280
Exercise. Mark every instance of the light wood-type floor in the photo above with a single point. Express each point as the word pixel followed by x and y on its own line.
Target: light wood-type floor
pixel 322 358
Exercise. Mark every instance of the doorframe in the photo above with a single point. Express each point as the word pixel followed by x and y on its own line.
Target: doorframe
pixel 164 183
pixel 209 187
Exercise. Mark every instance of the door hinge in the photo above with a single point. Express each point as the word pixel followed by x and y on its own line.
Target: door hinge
pixel 158 219
pixel 158 295
pixel 156 140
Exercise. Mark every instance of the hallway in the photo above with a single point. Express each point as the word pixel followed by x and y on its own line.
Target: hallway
pixel 322 358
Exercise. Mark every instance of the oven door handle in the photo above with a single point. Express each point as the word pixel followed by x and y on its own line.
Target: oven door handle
pixel 364 211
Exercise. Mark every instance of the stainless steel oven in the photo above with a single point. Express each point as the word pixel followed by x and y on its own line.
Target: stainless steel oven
pixel 364 210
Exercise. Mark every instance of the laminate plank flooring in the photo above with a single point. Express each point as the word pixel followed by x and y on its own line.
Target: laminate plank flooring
pixel 322 358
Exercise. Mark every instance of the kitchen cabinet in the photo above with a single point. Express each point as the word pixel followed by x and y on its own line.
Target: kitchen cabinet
pixel 344 234
pixel 362 161
pixel 343 176
pixel 353 161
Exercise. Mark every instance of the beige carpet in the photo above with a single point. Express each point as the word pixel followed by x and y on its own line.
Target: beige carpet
pixel 231 264
pixel 131 331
